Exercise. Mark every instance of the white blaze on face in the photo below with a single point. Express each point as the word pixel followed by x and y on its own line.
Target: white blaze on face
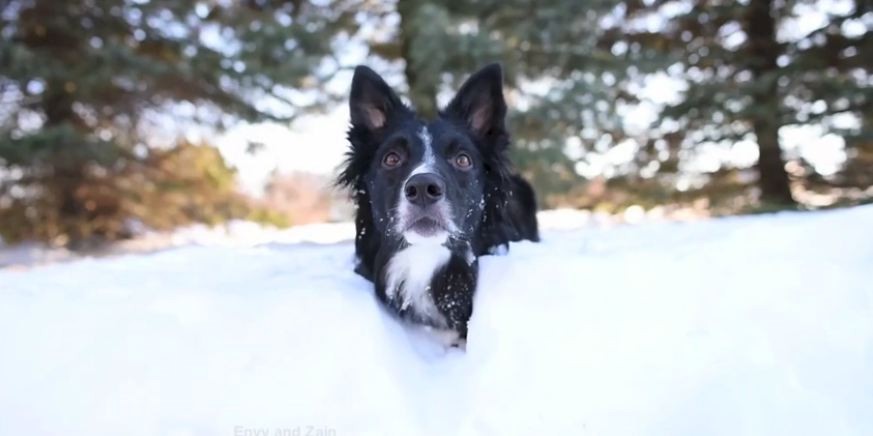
pixel 428 158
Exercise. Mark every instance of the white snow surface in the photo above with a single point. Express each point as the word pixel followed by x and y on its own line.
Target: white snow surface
pixel 742 326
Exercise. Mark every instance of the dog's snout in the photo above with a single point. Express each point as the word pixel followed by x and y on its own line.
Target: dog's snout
pixel 424 189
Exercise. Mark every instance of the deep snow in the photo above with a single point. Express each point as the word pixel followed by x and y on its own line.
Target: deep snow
pixel 742 326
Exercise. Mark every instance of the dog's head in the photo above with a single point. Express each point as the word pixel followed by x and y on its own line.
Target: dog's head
pixel 426 180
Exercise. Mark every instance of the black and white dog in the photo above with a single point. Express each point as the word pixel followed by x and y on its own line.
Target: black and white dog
pixel 432 196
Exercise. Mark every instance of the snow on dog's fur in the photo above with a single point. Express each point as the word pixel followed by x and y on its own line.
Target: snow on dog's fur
pixel 432 196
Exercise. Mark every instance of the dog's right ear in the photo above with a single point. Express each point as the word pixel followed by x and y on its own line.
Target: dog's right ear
pixel 372 102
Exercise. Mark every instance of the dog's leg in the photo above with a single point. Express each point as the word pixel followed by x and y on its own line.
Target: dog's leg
pixel 453 288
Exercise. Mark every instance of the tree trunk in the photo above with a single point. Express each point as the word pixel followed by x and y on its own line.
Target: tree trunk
pixel 422 92
pixel 763 50
pixel 68 174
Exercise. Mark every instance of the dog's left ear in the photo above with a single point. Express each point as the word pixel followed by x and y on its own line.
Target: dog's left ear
pixel 480 102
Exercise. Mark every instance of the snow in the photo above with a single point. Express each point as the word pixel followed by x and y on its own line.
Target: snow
pixel 232 234
pixel 742 326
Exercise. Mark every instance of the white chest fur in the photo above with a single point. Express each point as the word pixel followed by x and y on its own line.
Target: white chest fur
pixel 409 275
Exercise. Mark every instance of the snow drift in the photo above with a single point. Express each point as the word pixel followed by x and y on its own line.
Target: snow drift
pixel 756 325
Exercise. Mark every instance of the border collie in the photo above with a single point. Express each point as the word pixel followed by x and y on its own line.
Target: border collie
pixel 432 196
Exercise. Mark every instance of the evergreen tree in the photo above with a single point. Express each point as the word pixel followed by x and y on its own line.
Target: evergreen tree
pixel 576 67
pixel 751 70
pixel 84 85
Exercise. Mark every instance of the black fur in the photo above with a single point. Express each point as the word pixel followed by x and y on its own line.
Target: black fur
pixel 480 207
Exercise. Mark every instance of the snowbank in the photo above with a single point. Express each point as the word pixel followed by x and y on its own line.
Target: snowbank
pixel 232 234
pixel 742 326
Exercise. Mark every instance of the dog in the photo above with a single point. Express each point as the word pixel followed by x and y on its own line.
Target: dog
pixel 432 196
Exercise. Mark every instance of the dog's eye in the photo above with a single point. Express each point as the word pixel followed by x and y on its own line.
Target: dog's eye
pixel 463 161
pixel 391 160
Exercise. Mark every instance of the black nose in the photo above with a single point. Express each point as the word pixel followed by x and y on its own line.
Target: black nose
pixel 424 189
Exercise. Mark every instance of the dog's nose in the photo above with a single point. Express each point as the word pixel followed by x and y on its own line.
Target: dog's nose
pixel 424 189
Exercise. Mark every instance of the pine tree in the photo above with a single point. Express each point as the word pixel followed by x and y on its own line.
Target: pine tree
pixel 751 71
pixel 85 86
pixel 575 67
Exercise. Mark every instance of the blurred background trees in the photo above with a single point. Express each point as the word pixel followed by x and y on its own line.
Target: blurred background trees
pixel 614 103
pixel 86 89
pixel 304 198
pixel 736 73
pixel 751 68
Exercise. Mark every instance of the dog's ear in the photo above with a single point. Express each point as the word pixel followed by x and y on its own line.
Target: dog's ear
pixel 372 102
pixel 480 102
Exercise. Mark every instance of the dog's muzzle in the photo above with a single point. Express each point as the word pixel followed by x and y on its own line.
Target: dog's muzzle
pixel 425 213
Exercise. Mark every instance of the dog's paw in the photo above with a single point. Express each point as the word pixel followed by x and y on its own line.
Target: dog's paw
pixel 448 338
pixel 432 342
pixel 499 250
